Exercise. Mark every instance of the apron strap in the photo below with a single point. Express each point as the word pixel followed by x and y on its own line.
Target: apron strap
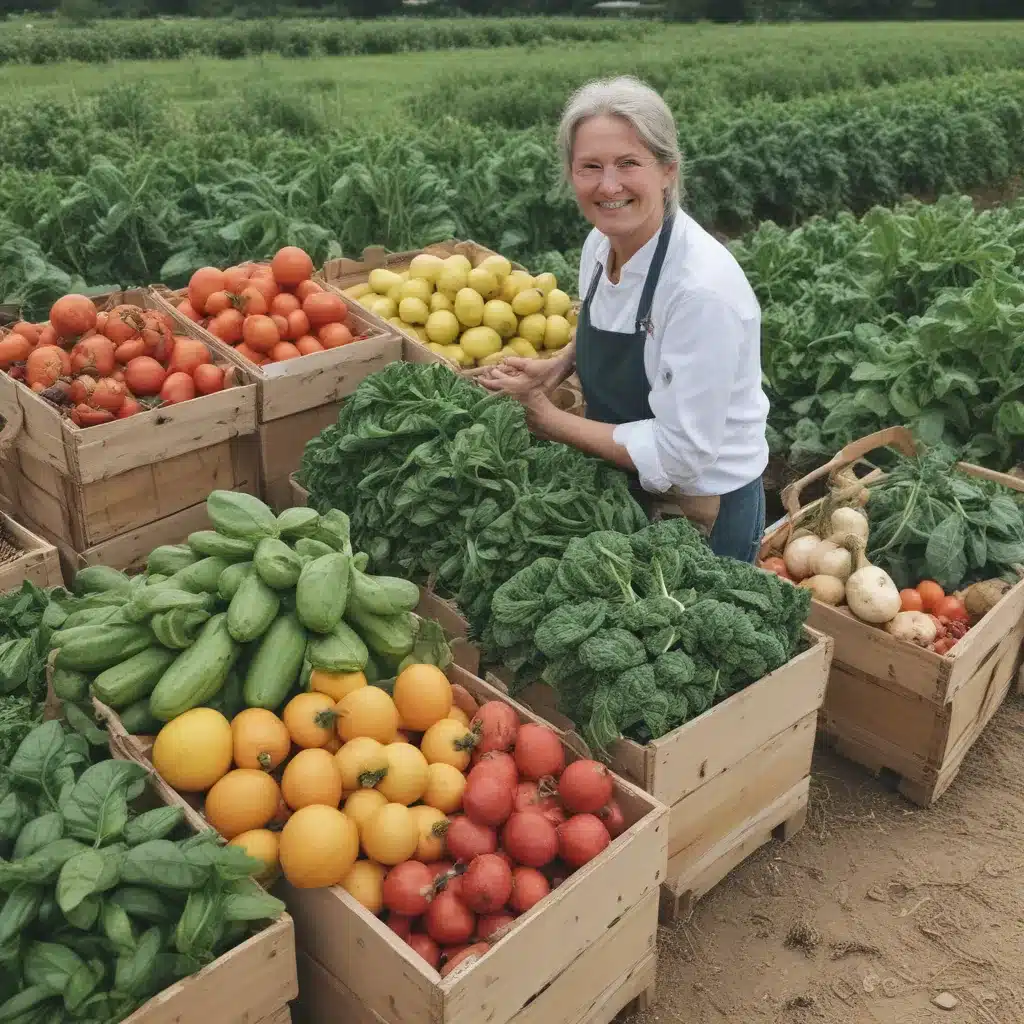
pixel 593 284
pixel 643 313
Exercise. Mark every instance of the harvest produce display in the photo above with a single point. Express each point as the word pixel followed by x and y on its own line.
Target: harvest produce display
pixel 269 312
pixel 638 634
pixel 924 552
pixel 239 616
pixel 100 365
pixel 448 816
pixel 103 905
pixel 474 316
pixel 444 481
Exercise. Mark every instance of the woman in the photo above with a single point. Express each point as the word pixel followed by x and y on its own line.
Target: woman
pixel 667 346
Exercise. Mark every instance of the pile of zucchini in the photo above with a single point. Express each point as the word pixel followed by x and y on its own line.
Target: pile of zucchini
pixel 237 617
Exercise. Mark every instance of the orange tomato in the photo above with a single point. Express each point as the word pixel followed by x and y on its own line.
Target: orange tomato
pixel 291 266
pixel 307 345
pixel 227 326
pixel 203 283
pixel 284 304
pixel 178 387
pixel 252 302
pixel 305 289
pixel 298 325
pixel 260 333
pixel 931 594
pixel 911 600
pixel 208 378
pixel 324 308
pixel 334 335
pixel 284 350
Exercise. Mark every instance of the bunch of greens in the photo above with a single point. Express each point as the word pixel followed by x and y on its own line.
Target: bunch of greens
pixel 928 520
pixel 638 634
pixel 99 908
pixel 27 619
pixel 442 480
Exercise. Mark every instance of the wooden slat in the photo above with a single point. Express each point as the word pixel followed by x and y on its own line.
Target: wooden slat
pixel 282 443
pixel 701 749
pixel 38 561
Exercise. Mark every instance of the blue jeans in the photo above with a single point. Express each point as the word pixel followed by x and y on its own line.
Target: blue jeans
pixel 739 527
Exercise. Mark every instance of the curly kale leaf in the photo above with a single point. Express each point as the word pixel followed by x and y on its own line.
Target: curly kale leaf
pixel 612 650
pixel 564 629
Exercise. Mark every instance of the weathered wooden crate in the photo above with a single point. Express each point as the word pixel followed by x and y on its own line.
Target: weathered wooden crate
pixel 298 398
pixel 83 488
pixel 579 957
pixel 734 778
pixel 904 712
pixel 36 561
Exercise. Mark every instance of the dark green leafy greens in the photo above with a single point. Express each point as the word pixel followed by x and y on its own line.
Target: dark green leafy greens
pixel 99 908
pixel 928 520
pixel 443 481
pixel 638 634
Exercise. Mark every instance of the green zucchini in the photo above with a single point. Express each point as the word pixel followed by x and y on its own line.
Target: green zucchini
pixel 210 542
pixel 134 678
pixel 360 560
pixel 70 685
pixel 200 577
pixel 93 616
pixel 275 667
pixel 253 608
pixel 94 648
pixel 235 514
pixel 156 577
pixel 322 592
pixel 392 635
pixel 230 699
pixel 197 673
pixel 177 628
pixel 231 578
pixel 382 595
pixel 341 650
pixel 164 599
pixel 138 720
pixel 334 530
pixel 298 522
pixel 313 548
pixel 96 579
pixel 170 558
pixel 278 566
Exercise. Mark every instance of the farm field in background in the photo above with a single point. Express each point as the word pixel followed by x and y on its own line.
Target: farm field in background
pixel 134 172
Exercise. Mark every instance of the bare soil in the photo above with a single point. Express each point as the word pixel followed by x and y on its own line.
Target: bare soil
pixel 871 911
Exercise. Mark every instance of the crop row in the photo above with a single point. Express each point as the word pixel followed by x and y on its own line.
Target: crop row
pixel 231 39
pixel 705 69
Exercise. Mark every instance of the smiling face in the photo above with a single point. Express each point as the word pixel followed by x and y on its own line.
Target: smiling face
pixel 619 183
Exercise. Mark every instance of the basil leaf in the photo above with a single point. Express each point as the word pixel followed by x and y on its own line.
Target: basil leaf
pixel 117 926
pixel 92 871
pixel 20 909
pixel 85 915
pixel 944 554
pixel 142 903
pixel 85 725
pixel 155 824
pixel 229 862
pixel 26 1000
pixel 51 965
pixel 42 866
pixel 135 971
pixel 38 755
pixel 13 815
pixel 38 833
pixel 201 924
pixel 163 865
pixel 97 809
pixel 80 986
pixel 253 906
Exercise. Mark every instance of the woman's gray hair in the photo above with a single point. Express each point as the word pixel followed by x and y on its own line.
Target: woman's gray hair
pixel 641 106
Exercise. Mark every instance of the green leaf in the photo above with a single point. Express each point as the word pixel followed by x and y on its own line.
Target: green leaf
pixel 164 865
pixel 38 755
pixel 945 557
pixel 201 924
pixel 255 905
pixel 85 725
pixel 43 866
pixel 51 965
pixel 39 832
pixel 117 926
pixel 80 986
pixel 92 871
pixel 97 809
pixel 26 1000
pixel 155 824
pixel 86 914
pixel 135 971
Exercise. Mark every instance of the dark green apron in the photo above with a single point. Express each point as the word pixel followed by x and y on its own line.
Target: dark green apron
pixel 610 364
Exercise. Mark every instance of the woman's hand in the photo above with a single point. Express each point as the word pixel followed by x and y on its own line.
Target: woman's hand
pixel 519 377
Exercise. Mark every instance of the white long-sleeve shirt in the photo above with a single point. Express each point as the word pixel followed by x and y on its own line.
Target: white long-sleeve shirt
pixel 703 361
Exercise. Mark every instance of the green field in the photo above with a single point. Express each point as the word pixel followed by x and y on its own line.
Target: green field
pixel 134 172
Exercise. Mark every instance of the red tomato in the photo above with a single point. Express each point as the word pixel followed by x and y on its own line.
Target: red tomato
pixel 297 325
pixel 952 608
pixel 284 304
pixel 252 302
pixel 129 408
pixel 208 378
pixel 86 416
pixel 931 594
pixel 144 376
pixel 217 302
pixel 108 394
pixel 911 600
pixel 187 354
pixel 178 387
pixel 227 326
pixel 260 333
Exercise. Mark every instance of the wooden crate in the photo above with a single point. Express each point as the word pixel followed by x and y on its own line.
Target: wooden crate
pixel 579 957
pixel 37 562
pixel 299 398
pixel 902 711
pixel 734 778
pixel 85 487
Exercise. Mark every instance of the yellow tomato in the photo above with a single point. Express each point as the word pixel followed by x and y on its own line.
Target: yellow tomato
pixel 423 696
pixel 458 715
pixel 367 711
pixel 445 786
pixel 365 883
pixel 318 847
pixel 261 844
pixel 391 835
pixel 363 804
pixel 449 742
pixel 336 684
pixel 432 826
pixel 310 719
pixel 362 762
pixel 406 777
pixel 311 777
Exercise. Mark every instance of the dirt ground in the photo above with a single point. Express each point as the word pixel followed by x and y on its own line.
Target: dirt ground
pixel 871 911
